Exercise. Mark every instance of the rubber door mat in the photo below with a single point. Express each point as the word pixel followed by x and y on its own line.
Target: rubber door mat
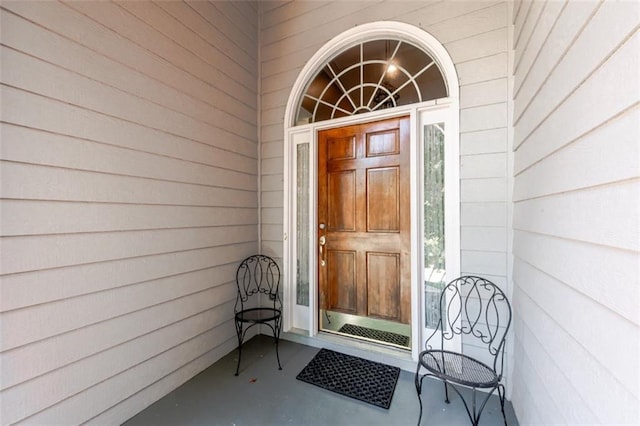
pixel 370 333
pixel 368 381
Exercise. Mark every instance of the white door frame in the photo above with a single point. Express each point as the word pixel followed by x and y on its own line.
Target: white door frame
pixel 445 109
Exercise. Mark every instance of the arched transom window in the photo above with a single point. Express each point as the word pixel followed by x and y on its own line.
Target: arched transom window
pixel 371 76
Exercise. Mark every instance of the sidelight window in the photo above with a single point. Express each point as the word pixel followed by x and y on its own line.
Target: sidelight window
pixel 433 213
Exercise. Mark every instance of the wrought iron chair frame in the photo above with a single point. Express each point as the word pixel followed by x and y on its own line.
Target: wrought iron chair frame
pixel 258 275
pixel 462 323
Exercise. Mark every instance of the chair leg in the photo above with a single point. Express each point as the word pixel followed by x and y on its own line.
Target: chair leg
pixel 501 394
pixel 446 393
pixel 239 333
pixel 276 335
pixel 418 382
pixel 476 417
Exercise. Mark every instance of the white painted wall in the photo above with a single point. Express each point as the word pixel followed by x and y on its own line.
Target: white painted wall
pixel 129 195
pixel 576 209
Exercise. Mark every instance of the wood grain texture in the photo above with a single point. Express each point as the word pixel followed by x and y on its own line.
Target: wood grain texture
pixel 363 200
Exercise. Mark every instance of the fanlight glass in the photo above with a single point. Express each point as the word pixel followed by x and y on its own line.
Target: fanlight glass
pixel 371 76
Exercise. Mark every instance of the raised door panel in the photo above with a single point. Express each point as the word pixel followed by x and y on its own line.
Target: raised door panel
pixel 383 279
pixel 383 199
pixel 383 143
pixel 341 148
pixel 342 281
pixel 342 201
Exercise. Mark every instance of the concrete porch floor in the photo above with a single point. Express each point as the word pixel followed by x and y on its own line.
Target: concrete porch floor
pixel 264 395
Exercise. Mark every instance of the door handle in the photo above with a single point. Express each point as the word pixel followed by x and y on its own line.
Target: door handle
pixel 322 241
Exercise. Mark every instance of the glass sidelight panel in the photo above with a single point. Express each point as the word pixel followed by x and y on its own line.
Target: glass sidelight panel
pixel 434 255
pixel 302 224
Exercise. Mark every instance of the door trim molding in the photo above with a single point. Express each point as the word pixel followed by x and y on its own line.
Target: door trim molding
pixel 294 135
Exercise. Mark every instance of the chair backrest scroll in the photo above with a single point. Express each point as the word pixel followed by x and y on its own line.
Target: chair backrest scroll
pixel 477 308
pixel 258 275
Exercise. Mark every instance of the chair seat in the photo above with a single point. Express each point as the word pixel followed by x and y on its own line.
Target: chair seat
pixel 458 368
pixel 258 315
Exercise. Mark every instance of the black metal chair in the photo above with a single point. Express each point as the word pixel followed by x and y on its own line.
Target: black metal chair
pixel 479 310
pixel 258 301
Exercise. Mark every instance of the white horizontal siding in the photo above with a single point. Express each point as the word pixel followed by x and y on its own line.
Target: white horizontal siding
pixel 163 379
pixel 146 24
pixel 110 392
pixel 555 255
pixel 582 112
pixel 36 76
pixel 484 142
pixel 601 215
pixel 577 203
pixel 479 46
pixel 483 214
pixel 465 20
pixel 613 161
pixel 570 374
pixel 111 360
pixel 526 53
pixel 46 285
pixel 482 69
pixel 24 144
pixel 37 112
pixel 54 183
pixel 490 265
pixel 575 64
pixel 483 93
pixel 128 195
pixel 96 47
pixel 272 215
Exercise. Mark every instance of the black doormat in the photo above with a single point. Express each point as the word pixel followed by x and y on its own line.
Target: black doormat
pixel 369 381
pixel 370 333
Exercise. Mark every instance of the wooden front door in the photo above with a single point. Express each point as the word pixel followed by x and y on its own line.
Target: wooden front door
pixel 364 220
